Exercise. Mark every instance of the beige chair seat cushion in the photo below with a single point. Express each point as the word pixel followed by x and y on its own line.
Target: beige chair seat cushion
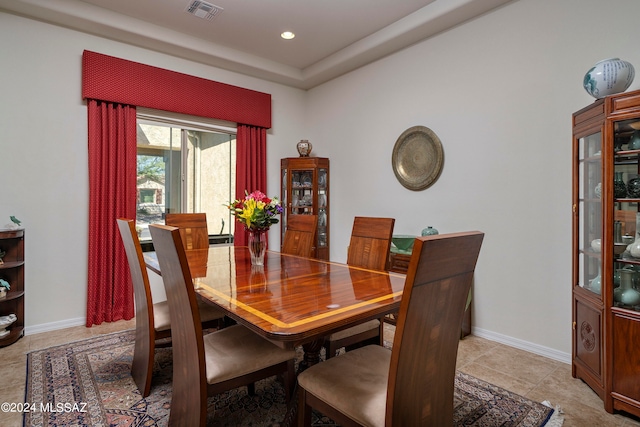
pixel 354 383
pixel 354 330
pixel 235 351
pixel 162 321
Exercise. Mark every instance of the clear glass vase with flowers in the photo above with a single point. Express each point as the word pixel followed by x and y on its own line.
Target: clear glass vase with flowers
pixel 257 213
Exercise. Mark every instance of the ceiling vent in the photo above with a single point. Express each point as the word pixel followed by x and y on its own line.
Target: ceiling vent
pixel 204 10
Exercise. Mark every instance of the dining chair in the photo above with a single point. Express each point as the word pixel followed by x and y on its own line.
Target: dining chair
pixel 153 325
pixel 214 363
pixel 299 237
pixel 193 228
pixel 413 383
pixel 369 248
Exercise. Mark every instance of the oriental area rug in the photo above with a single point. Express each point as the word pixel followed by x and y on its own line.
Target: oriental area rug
pixel 90 383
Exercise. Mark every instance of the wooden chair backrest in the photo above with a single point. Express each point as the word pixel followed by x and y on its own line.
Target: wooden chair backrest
pixel 186 329
pixel 193 228
pixel 370 243
pixel 145 332
pixel 423 358
pixel 299 238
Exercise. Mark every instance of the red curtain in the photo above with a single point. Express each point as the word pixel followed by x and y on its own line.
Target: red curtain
pixel 251 168
pixel 120 84
pixel 112 194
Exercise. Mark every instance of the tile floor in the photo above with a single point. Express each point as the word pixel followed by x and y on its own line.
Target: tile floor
pixel 527 374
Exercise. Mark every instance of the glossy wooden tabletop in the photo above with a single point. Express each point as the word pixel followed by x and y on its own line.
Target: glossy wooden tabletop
pixel 292 300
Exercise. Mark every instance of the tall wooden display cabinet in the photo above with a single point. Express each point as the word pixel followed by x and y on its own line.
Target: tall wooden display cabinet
pixel 305 191
pixel 606 250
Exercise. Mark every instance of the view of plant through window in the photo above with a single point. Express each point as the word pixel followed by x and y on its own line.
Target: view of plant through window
pixel 184 169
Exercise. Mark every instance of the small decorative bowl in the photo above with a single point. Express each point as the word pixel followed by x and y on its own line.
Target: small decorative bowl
pixel 403 242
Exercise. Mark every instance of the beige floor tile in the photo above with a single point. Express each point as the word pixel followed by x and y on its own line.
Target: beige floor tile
pixel 471 348
pixel 518 363
pixel 13 373
pixel 17 349
pixel 498 378
pixel 11 419
pixel 60 337
pixel 110 327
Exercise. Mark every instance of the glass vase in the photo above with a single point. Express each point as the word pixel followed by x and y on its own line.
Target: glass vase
pixel 257 242
pixel 596 283
pixel 634 248
pixel 619 187
pixel 626 294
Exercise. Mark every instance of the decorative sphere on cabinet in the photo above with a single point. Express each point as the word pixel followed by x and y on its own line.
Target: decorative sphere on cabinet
pixel 607 77
pixel 596 245
pixel 304 148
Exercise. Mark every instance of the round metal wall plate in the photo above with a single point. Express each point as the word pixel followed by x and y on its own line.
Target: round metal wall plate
pixel 417 158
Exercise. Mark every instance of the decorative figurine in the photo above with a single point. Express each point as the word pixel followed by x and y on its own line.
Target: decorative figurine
pixel 14 224
pixel 4 287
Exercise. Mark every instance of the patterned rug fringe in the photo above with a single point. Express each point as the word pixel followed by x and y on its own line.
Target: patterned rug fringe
pixel 556 419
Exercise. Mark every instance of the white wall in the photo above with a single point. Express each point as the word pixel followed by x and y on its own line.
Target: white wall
pixel 499 92
pixel 43 153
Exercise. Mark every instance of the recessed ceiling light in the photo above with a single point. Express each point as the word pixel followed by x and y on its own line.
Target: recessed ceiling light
pixel 287 35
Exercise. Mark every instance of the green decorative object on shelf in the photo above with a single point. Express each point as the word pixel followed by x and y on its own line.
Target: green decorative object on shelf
pixel 429 231
pixel 403 242
pixel 619 187
pixel 626 294
pixel 634 142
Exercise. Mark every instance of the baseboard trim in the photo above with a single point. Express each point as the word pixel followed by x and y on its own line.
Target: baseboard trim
pixel 523 345
pixel 54 326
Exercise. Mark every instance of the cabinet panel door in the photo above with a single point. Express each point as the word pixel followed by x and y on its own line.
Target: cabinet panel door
pixel 588 337
pixel 626 357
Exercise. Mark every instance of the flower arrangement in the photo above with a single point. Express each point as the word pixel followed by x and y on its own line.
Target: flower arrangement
pixel 256 211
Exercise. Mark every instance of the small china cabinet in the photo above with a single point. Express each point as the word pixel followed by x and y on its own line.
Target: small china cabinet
pixel 305 191
pixel 12 270
pixel 606 255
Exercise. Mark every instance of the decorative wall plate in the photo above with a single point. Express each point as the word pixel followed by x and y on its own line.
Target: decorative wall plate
pixel 417 158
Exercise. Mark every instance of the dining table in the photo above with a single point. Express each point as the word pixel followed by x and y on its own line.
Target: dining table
pixel 291 301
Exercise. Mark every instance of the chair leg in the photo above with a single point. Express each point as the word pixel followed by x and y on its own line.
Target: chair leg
pixel 290 380
pixel 330 350
pixel 304 410
pixel 251 389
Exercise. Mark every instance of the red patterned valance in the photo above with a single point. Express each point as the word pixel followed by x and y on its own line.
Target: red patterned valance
pixel 108 78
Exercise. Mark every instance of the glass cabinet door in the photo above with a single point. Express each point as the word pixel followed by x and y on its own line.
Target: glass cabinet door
pixel 590 193
pixel 323 200
pixel 626 230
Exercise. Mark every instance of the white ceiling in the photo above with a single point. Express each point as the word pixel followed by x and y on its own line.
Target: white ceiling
pixel 332 36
